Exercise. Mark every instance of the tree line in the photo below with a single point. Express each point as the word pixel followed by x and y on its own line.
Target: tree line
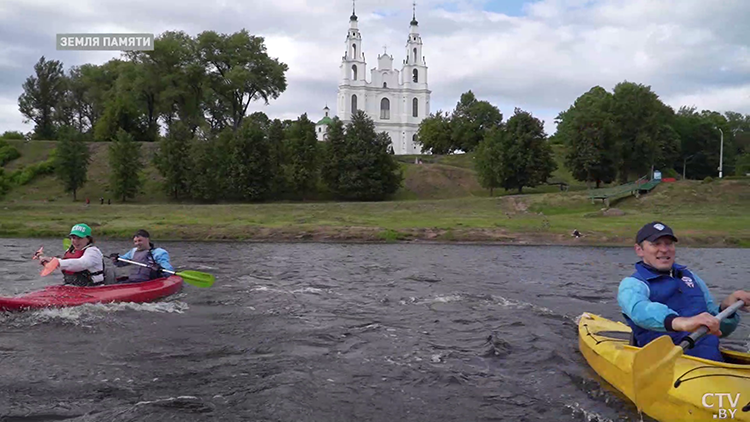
pixel 196 91
pixel 206 81
pixel 510 155
pixel 262 160
pixel 609 137
pixel 191 95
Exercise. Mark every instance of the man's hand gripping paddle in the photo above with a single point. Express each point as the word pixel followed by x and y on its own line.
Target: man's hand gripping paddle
pixel 653 365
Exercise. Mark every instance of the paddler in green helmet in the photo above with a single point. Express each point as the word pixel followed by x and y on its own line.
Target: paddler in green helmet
pixel 83 263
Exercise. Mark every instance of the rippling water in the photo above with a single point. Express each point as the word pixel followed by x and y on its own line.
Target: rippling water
pixel 332 332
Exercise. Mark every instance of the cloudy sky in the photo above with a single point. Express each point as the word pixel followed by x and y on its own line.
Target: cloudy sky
pixel 538 55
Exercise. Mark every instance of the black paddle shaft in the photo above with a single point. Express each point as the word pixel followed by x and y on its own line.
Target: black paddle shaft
pixel 689 342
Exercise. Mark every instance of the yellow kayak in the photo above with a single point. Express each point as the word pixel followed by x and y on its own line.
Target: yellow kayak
pixel 706 391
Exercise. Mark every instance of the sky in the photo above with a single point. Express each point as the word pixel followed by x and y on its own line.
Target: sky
pixel 536 55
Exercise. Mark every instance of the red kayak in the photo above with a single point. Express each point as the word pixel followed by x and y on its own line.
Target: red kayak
pixel 60 296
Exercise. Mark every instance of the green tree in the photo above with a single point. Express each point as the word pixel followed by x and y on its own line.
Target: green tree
pixel 303 159
pixel 435 134
pixel 101 86
pixel 277 156
pixel 239 71
pixel 126 167
pixel 145 86
pixel 743 164
pixel 208 181
pixel 12 134
pixel 183 79
pixel 124 108
pixel 4 183
pixel 71 160
pixel 248 162
pixel 738 126
pixel 358 166
pixel 700 140
pixel 643 128
pixel 334 156
pixel 588 131
pixel 471 120
pixel 526 155
pixel 488 160
pixel 8 152
pixel 172 159
pixel 171 81
pixel 83 89
pixel 42 93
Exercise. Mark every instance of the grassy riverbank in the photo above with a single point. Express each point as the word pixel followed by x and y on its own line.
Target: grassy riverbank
pixel 702 214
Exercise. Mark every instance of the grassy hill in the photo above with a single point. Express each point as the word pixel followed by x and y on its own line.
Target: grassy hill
pixel 48 188
pixel 441 200
pixel 438 177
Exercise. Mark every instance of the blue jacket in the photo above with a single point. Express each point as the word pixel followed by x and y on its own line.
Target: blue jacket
pixel 649 298
pixel 161 257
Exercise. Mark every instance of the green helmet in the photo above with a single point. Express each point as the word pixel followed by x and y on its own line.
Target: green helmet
pixel 80 230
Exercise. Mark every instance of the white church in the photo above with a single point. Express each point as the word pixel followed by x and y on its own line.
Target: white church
pixel 395 101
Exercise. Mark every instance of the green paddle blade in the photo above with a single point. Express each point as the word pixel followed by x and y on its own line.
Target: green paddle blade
pixel 197 278
pixel 653 371
pixel 66 243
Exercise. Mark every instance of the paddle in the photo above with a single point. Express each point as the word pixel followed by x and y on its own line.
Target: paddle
pixel 50 266
pixel 196 278
pixel 54 263
pixel 653 365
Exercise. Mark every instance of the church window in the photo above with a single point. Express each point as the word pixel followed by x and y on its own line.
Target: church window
pixel 354 51
pixel 354 103
pixel 385 85
pixel 415 75
pixel 354 72
pixel 415 55
pixel 415 107
pixel 385 109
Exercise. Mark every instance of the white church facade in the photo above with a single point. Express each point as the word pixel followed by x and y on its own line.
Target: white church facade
pixel 396 101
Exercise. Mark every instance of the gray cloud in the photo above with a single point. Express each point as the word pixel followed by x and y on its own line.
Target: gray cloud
pixel 691 52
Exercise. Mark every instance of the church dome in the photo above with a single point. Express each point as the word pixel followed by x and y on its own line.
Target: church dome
pixel 325 121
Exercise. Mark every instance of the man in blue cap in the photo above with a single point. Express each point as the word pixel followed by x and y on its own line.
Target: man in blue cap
pixel 662 297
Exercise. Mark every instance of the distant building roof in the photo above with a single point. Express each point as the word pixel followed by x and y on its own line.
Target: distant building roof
pixel 325 121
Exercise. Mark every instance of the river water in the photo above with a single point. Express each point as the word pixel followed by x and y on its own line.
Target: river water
pixel 333 332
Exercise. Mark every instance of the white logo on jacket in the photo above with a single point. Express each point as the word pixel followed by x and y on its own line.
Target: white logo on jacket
pixel 688 281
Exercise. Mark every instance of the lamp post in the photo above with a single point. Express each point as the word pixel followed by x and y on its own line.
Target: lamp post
pixel 721 154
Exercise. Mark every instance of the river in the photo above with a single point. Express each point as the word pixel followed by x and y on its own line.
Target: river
pixel 333 332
